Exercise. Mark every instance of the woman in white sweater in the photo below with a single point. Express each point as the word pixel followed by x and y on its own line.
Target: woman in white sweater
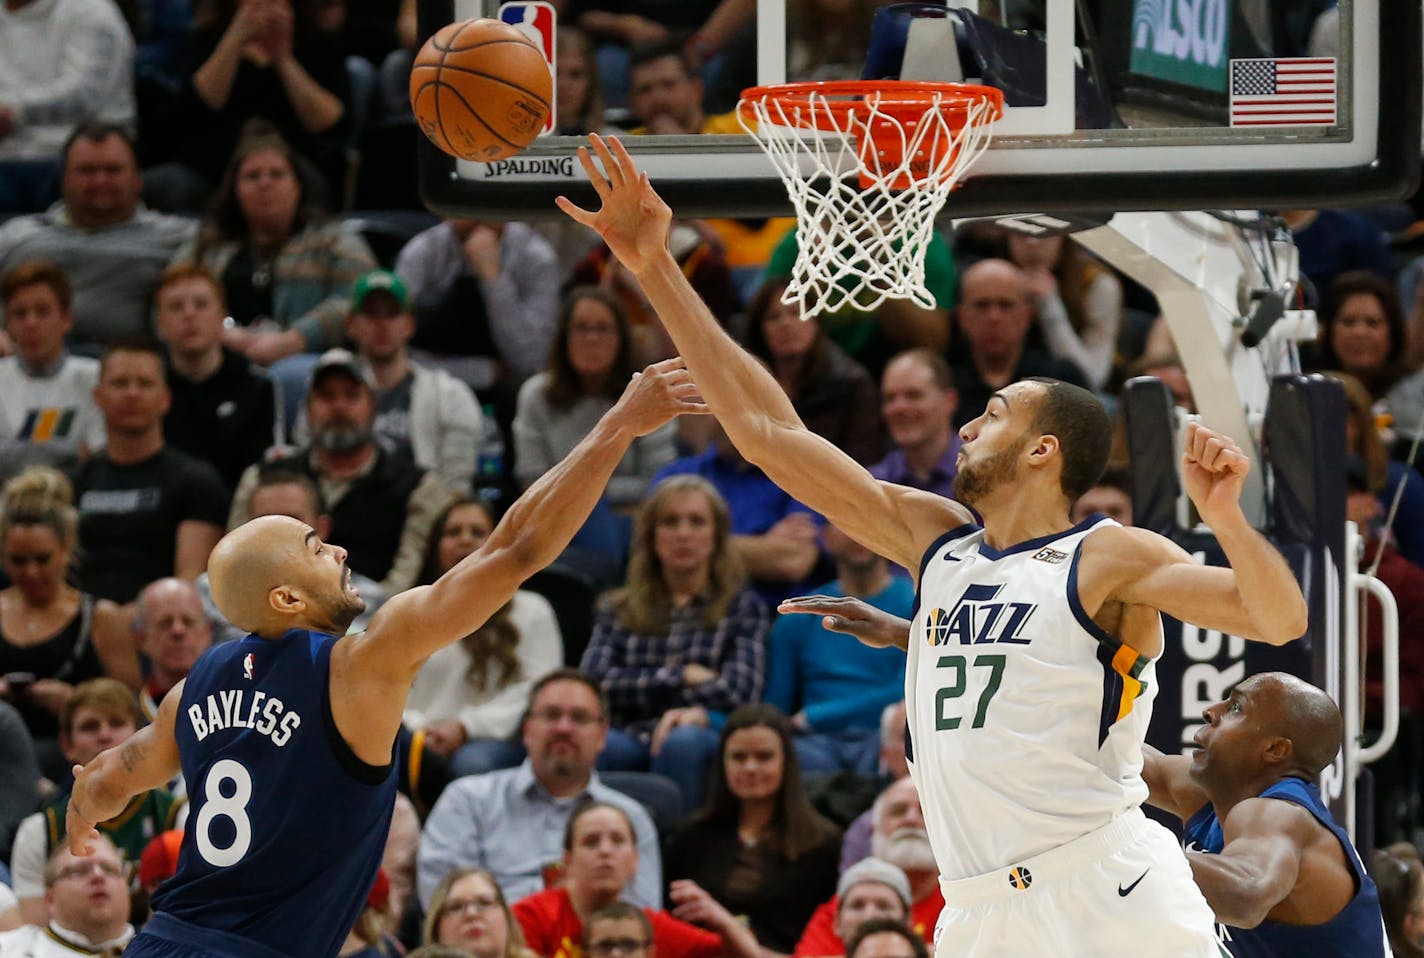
pixel 468 697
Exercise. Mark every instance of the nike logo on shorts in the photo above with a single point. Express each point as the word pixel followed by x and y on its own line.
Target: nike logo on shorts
pixel 1124 892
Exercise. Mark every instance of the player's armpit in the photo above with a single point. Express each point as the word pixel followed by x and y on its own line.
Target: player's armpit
pixel 1138 567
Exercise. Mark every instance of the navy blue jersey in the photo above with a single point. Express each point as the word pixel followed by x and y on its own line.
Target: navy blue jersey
pixel 1357 932
pixel 286 826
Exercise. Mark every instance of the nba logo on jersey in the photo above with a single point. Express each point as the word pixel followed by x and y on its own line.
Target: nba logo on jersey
pixel 536 19
pixel 247 665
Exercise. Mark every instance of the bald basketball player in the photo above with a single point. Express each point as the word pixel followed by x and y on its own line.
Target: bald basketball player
pixel 285 737
pixel 1278 871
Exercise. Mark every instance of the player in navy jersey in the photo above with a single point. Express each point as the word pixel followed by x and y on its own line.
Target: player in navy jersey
pixel 1029 681
pixel 1281 875
pixel 285 737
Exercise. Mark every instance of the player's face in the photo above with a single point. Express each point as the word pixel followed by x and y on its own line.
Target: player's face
pixel 175 630
pixel 1109 500
pixel 593 338
pixel 472 918
pixel 328 582
pixel 465 529
pixel 788 336
pixel 685 533
pixel 917 411
pixel 35 559
pixel 93 730
pixel 37 324
pixel 132 392
pixel 1229 743
pixel 565 730
pixel 190 316
pixel 754 763
pixel 993 445
pixel 1360 335
pixel 268 191
pixel 89 892
pixel 604 856
pixel 864 902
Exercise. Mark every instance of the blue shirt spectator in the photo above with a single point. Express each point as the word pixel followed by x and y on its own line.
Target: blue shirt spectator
pixel 833 686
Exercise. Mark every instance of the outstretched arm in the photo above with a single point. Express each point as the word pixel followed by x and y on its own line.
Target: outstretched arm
pixel 875 627
pixel 147 759
pixel 893 521
pixel 1256 597
pixel 1259 863
pixel 538 527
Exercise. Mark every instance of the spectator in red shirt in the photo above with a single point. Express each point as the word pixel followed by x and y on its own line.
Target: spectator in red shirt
pixel 600 859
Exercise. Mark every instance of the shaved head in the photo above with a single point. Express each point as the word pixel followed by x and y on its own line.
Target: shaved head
pixel 267 577
pixel 1304 714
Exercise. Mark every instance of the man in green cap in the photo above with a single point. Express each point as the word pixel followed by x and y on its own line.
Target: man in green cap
pixel 421 409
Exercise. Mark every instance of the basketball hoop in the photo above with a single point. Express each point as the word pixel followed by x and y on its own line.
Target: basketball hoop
pixel 862 242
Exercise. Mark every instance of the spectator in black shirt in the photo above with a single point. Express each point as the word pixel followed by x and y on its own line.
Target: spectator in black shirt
pixel 996 310
pixel 145 510
pixel 224 408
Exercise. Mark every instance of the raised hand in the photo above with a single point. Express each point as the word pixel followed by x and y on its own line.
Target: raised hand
pixel 659 394
pixel 1214 469
pixel 852 616
pixel 633 219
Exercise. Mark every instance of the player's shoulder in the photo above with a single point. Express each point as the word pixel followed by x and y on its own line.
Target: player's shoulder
pixel 1266 816
pixel 1111 541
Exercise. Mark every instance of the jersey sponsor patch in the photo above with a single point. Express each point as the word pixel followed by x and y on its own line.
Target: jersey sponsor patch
pixel 1052 556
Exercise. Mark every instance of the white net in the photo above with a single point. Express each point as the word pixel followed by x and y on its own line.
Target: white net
pixel 862 239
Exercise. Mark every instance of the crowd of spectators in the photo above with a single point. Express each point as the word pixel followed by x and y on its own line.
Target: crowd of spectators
pixel 219 301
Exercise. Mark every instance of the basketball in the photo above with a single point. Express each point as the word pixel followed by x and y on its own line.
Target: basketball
pixel 481 90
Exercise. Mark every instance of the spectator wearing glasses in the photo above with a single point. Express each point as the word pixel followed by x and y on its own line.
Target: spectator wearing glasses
pixel 468 912
pixel 619 930
pixel 86 907
pixel 510 822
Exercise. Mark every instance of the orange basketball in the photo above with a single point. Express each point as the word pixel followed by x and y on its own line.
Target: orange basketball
pixel 481 90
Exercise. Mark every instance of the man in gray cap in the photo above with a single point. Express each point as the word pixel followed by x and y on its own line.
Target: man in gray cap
pixel 872 888
pixel 382 505
pixel 421 410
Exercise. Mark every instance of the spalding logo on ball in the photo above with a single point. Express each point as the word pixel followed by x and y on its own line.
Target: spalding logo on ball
pixel 481 90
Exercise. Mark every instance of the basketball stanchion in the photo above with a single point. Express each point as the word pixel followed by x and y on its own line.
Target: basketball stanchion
pixel 861 240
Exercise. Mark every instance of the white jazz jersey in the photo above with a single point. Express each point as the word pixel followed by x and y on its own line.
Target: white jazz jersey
pixel 1026 720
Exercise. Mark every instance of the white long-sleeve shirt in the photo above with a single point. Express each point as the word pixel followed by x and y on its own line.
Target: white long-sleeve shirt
pixel 62 62
pixel 441 690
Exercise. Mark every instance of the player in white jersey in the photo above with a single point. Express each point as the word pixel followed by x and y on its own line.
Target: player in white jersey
pixel 1032 637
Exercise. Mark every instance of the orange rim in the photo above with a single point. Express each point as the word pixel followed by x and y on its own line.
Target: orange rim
pixel 905 101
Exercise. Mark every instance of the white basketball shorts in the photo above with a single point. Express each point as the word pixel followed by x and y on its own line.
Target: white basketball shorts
pixel 1125 889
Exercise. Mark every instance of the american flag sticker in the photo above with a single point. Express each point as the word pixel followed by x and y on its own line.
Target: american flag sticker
pixel 1299 91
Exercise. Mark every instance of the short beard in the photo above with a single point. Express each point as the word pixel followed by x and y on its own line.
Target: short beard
pixel 972 483
pixel 908 849
pixel 341 438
